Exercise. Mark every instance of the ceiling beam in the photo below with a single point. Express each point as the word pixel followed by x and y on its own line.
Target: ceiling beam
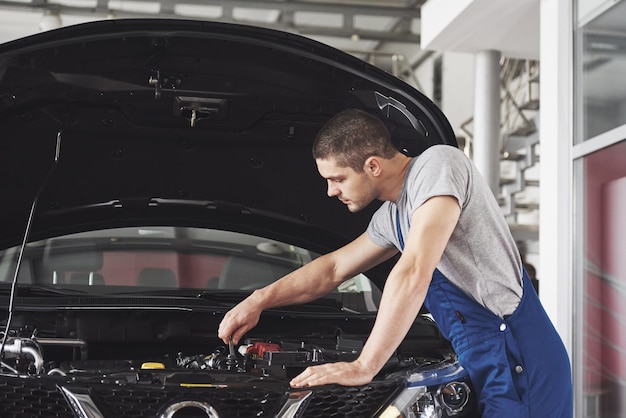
pixel 401 14
pixel 409 11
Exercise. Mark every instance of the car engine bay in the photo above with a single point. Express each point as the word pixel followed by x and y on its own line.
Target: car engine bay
pixel 69 375
pixel 279 359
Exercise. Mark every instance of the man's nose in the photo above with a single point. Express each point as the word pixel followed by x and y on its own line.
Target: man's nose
pixel 332 190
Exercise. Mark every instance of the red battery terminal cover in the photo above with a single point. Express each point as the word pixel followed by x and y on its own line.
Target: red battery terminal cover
pixel 258 349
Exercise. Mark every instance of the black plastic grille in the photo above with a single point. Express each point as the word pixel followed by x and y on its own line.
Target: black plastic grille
pixel 350 402
pixel 41 398
pixel 31 398
pixel 136 402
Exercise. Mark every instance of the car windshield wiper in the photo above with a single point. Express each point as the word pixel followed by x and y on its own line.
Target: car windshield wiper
pixel 323 303
pixel 36 290
pixel 220 295
pixel 210 295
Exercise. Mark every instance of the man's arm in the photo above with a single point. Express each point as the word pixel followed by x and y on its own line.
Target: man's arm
pixel 309 282
pixel 405 290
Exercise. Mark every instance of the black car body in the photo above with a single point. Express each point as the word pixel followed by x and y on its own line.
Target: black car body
pixel 155 173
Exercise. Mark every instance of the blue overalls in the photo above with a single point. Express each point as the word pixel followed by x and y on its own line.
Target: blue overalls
pixel 518 365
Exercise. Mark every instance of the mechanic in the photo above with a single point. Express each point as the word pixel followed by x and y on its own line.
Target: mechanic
pixel 457 257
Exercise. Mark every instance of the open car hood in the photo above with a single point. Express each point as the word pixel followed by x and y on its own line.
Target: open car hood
pixel 172 122
pixel 133 153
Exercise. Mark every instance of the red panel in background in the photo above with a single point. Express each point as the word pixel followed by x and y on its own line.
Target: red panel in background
pixel 191 270
pixel 604 287
pixel 614 269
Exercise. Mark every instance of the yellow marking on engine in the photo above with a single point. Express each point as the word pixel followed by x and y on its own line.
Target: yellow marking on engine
pixel 152 365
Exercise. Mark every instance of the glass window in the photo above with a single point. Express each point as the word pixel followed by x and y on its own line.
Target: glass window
pixel 163 258
pixel 601 66
pixel 603 290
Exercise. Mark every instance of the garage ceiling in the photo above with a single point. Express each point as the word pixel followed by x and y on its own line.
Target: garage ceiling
pixel 353 25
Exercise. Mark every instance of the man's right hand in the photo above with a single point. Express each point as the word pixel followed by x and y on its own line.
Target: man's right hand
pixel 307 283
pixel 239 320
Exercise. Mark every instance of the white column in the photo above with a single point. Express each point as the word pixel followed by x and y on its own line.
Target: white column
pixel 556 178
pixel 486 150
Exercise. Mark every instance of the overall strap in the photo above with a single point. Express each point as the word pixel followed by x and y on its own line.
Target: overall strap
pixel 399 229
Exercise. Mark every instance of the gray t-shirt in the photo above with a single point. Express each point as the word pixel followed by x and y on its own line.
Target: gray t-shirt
pixel 481 257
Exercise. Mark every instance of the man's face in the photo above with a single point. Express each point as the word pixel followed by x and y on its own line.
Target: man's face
pixel 354 189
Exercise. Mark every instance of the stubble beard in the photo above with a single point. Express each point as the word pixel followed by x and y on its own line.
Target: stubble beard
pixel 357 206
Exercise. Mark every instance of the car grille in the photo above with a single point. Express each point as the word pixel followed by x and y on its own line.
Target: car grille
pixel 136 402
pixel 31 398
pixel 344 402
pixel 41 398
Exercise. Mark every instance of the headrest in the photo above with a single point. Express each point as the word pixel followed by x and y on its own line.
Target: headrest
pixel 65 255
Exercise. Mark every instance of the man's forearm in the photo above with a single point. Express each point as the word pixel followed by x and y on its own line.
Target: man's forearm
pixel 308 283
pixel 400 304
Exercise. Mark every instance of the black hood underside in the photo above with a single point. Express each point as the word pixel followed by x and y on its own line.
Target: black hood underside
pixel 185 122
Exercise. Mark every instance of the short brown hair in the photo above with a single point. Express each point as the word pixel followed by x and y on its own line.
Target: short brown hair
pixel 352 136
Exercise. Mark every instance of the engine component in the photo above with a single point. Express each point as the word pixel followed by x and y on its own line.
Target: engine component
pixel 281 359
pixel 24 349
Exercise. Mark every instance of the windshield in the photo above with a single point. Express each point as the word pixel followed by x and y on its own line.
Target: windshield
pixel 154 257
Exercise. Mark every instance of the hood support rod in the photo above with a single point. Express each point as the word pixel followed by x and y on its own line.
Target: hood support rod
pixel 57 153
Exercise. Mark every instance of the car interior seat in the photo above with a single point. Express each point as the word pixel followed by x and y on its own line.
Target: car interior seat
pixel 61 258
pixel 157 277
pixel 250 272
pixel 86 278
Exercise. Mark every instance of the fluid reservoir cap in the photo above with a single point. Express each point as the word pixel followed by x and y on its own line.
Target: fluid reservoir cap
pixel 152 365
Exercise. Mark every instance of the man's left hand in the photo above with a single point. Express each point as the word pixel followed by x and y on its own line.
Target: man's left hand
pixel 346 374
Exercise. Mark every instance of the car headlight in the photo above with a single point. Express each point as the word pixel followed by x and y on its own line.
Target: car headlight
pixel 440 393
pixel 454 397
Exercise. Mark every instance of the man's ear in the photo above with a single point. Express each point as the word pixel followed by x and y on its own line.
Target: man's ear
pixel 372 166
